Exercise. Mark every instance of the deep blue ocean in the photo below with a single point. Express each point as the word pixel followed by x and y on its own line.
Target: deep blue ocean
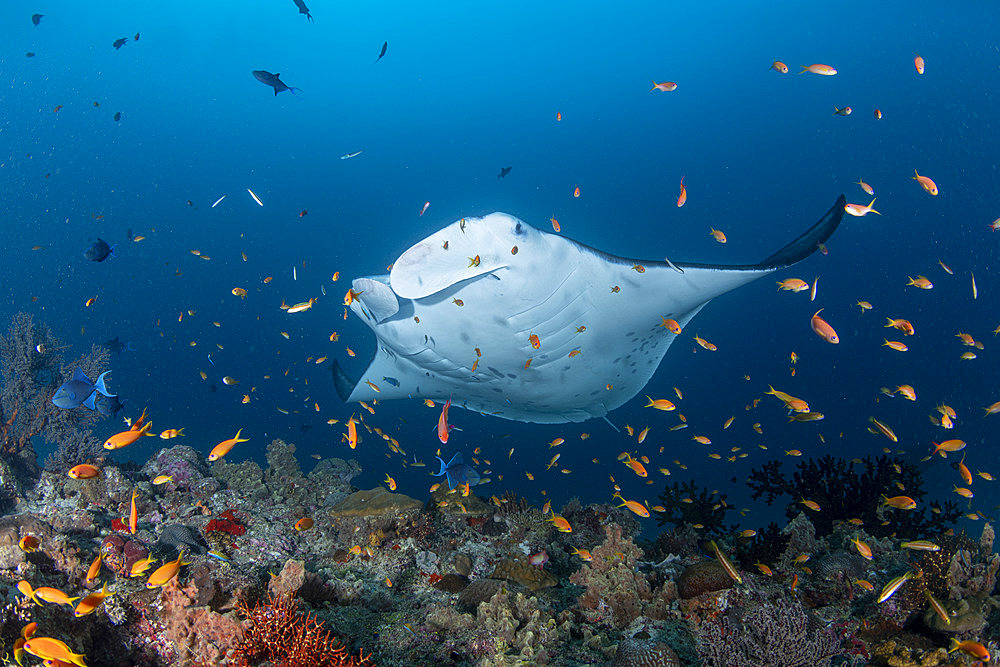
pixel 463 90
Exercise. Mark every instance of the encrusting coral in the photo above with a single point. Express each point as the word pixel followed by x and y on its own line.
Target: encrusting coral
pixel 613 582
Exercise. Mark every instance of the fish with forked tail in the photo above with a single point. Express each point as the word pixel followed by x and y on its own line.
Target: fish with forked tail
pixel 272 80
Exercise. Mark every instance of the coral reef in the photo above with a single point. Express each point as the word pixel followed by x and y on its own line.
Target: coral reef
pixel 374 502
pixel 707 576
pixel 767 632
pixel 853 490
pixel 277 632
pixel 613 583
pixel 31 368
pixel 644 652
pixel 688 504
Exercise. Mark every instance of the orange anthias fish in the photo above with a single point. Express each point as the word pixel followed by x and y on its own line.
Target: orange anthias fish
pixel 918 63
pixel 867 188
pixel 823 329
pixel 660 404
pixel 969 647
pixel 443 429
pixel 352 432
pixel 900 502
pixel 671 325
pixel 84 471
pixel 779 67
pixel 711 347
pixel 126 438
pixel 555 225
pixel 793 285
pixel 48 648
pixel 860 211
pixel 683 196
pixel 824 70
pixel 534 340
pixel 133 514
pixel 926 183
pixel 920 282
pixel 561 524
pixel 900 324
pixel 166 572
pixel 89 604
pixel 666 86
pixel 717 235
pixel 223 447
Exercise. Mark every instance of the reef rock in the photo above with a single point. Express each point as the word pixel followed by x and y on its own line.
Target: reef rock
pixel 707 576
pixel 522 572
pixel 375 502
pixel 480 590
pixel 967 615
pixel 633 652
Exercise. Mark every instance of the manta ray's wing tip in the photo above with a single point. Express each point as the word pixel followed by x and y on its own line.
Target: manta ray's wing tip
pixel 808 242
pixel 341 381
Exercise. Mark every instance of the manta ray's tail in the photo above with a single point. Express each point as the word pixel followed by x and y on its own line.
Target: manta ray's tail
pixel 342 382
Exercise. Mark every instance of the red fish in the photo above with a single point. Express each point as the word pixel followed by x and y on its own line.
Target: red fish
pixel 443 427
pixel 683 197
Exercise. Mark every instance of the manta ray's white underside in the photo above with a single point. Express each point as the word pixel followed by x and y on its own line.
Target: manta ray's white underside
pixel 439 314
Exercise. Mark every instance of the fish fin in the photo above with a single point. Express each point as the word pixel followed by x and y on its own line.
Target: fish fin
pixel 456 460
pixel 444 466
pixel 275 89
pixel 80 376
pixel 101 387
pixel 90 402
pixel 293 89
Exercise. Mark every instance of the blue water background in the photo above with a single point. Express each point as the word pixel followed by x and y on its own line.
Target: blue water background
pixel 464 90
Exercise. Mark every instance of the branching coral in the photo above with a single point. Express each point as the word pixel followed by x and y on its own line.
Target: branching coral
pixel 689 504
pixel 853 490
pixel 277 632
pixel 31 368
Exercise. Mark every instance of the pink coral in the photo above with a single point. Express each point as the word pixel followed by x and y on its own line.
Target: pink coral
pixel 614 584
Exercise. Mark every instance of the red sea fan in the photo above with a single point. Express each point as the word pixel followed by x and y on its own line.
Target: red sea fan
pixel 279 634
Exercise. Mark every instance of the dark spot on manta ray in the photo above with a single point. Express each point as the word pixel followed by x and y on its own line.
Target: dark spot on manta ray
pixel 511 376
pixel 494 371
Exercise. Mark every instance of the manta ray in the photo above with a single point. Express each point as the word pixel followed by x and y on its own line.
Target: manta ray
pixel 517 322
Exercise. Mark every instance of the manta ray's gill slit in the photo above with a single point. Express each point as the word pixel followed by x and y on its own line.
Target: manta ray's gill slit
pixel 542 302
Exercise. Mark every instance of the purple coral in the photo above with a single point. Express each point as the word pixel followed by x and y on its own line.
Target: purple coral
pixel 760 632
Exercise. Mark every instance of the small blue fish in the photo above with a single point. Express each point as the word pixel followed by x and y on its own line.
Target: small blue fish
pixel 80 391
pixel 218 556
pixel 393 381
pixel 457 472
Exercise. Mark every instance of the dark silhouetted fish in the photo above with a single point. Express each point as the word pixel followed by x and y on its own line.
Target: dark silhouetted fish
pixel 99 251
pixel 116 346
pixel 108 406
pixel 30 54
pixel 80 391
pixel 136 38
pixel 457 472
pixel 120 42
pixel 504 171
pixel 303 9
pixel 118 116
pixel 385 45
pixel 36 18
pixel 272 80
